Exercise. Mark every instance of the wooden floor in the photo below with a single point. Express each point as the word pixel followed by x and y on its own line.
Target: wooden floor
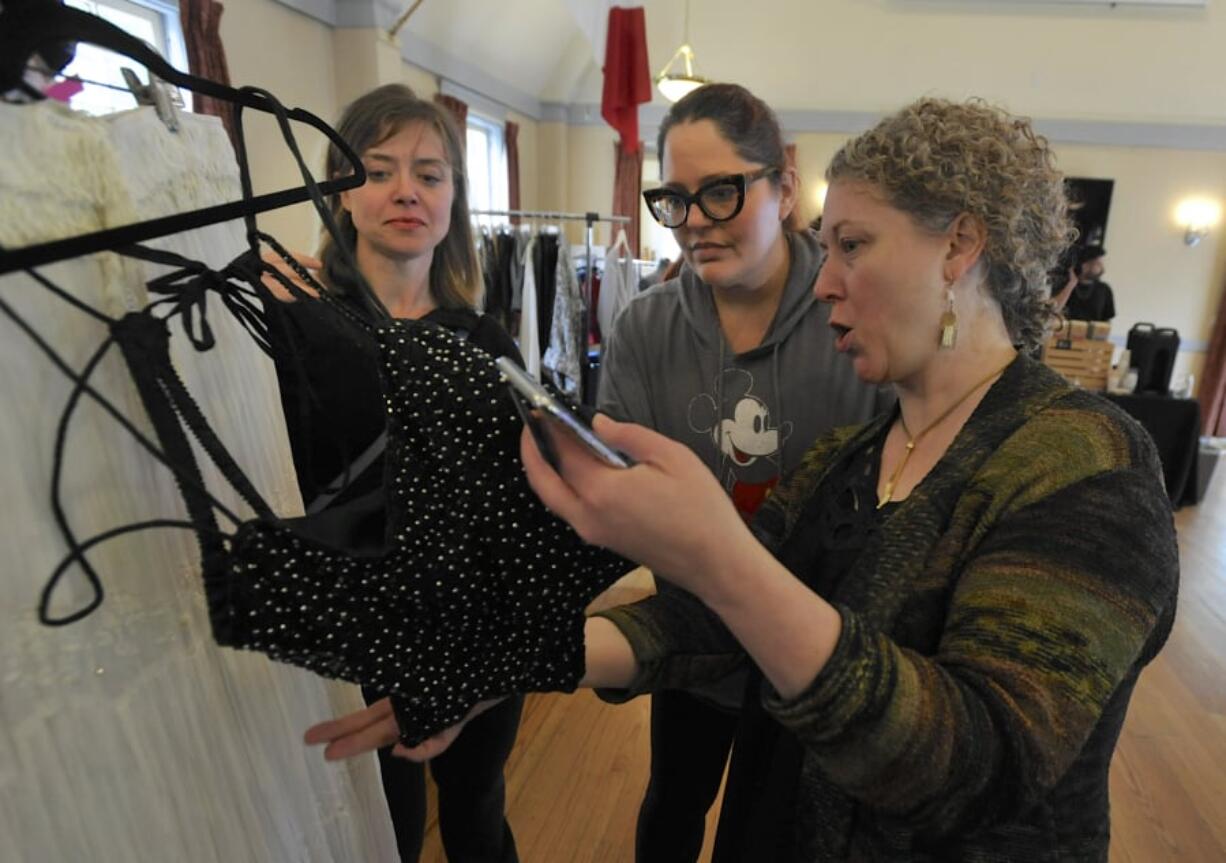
pixel 578 771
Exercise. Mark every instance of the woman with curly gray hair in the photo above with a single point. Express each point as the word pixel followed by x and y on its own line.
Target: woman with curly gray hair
pixel 947 608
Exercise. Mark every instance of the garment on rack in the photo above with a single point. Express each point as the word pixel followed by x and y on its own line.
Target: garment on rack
pixel 498 253
pixel 592 289
pixel 567 335
pixel 545 270
pixel 180 736
pixel 529 318
pixel 618 285
pixel 522 238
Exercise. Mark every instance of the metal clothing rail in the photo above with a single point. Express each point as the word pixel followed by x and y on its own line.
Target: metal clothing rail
pixel 585 293
pixel 590 218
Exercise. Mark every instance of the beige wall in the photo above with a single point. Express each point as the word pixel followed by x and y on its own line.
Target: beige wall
pixel 590 176
pixel 312 66
pixel 267 45
pixel 1042 59
pixel 552 165
pixel 1155 276
pixel 529 161
pixel 423 83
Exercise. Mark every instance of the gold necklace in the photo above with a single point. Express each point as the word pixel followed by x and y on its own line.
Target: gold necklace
pixel 912 441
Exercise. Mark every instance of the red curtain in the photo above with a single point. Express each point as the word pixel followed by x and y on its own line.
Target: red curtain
pixel 206 57
pixel 511 138
pixel 1213 377
pixel 627 80
pixel 627 187
pixel 458 110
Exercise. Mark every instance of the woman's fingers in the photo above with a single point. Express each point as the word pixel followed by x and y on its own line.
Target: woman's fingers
pixel 381 734
pixel 544 480
pixel 268 256
pixel 276 287
pixel 639 442
pixel 431 747
pixel 351 723
pixel 435 746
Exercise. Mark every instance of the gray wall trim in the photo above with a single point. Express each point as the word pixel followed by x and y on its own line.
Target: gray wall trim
pixel 1175 136
pixel 476 101
pixel 472 84
pixel 357 14
pixel 433 59
pixel 321 10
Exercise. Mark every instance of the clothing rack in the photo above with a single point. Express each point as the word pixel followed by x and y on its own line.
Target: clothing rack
pixel 585 291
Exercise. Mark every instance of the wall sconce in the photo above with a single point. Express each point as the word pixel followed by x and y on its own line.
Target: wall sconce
pixel 1197 216
pixel 819 196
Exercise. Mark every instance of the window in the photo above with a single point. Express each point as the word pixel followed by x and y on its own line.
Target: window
pixel 658 239
pixel 153 21
pixel 487 164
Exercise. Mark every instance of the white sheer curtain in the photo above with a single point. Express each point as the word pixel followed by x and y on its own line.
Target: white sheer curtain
pixel 130 735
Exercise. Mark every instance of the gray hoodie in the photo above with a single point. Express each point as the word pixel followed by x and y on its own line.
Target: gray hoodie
pixel 751 416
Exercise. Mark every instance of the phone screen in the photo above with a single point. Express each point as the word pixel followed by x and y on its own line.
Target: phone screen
pixel 539 398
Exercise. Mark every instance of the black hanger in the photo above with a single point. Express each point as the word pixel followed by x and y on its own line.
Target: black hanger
pixel 29 29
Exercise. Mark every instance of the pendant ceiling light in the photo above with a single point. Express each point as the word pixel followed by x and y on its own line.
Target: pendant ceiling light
pixel 675 84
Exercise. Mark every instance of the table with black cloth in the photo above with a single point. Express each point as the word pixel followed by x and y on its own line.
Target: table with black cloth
pixel 1174 424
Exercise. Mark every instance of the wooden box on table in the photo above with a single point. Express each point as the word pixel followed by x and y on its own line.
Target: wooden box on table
pixel 1079 351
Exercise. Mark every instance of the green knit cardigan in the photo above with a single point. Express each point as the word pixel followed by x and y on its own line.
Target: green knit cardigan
pixel 993 631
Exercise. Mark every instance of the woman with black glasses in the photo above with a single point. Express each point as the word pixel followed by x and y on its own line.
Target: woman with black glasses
pixel 735 359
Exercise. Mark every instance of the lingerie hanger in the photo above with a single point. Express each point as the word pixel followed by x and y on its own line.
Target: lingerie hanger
pixel 622 242
pixel 167 402
pixel 29 29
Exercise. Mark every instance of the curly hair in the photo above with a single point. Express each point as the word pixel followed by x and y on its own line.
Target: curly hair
pixel 937 159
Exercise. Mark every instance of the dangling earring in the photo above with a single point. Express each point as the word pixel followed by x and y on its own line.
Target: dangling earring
pixel 949 322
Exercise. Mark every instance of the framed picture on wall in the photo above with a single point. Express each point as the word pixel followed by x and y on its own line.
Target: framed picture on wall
pixel 1090 201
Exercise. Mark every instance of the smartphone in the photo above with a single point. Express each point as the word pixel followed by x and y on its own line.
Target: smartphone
pixel 529 395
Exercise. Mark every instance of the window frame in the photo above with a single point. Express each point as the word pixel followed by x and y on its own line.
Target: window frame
pixel 495 181
pixel 163 17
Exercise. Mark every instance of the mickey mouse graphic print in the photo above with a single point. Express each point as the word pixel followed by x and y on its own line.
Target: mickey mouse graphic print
pixel 747 436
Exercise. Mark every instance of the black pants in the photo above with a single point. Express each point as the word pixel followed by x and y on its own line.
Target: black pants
pixel 690 741
pixel 471 790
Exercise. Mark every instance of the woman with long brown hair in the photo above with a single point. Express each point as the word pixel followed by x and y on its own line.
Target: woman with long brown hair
pixel 409 231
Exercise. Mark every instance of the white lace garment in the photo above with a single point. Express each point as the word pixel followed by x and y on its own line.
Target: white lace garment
pixel 129 736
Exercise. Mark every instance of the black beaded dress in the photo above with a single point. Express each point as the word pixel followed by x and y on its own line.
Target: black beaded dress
pixel 470 590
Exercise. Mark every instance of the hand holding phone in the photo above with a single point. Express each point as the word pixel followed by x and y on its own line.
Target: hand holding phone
pixel 529 395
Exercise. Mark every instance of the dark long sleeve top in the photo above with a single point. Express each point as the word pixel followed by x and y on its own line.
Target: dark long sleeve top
pixel 331 391
pixel 992 633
